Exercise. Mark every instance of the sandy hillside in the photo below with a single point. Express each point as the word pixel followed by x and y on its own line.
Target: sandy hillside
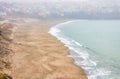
pixel 38 55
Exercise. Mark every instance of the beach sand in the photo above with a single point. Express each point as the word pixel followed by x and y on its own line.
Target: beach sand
pixel 39 55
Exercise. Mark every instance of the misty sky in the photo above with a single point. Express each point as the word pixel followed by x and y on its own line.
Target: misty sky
pixel 24 1
pixel 87 1
pixel 92 3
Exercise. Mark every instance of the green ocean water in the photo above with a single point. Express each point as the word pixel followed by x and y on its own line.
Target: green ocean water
pixel 98 41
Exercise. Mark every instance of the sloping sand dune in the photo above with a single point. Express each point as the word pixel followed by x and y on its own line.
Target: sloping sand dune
pixel 38 55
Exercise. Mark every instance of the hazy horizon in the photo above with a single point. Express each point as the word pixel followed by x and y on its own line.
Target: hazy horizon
pixel 95 9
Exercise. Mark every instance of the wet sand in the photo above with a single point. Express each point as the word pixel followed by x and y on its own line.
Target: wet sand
pixel 39 55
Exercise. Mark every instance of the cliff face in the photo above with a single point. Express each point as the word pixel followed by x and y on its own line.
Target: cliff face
pixel 5 51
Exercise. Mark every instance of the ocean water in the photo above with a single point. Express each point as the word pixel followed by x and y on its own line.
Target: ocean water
pixel 94 45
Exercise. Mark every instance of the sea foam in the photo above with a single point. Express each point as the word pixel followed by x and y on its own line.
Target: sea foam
pixel 86 63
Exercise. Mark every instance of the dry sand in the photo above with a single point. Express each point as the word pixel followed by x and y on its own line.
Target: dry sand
pixel 38 55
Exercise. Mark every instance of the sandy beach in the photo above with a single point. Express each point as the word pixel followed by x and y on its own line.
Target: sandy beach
pixel 39 55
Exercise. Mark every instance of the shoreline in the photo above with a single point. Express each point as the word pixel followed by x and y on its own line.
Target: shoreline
pixel 72 53
pixel 46 57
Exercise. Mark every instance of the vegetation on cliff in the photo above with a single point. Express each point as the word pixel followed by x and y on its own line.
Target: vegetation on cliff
pixel 5 40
